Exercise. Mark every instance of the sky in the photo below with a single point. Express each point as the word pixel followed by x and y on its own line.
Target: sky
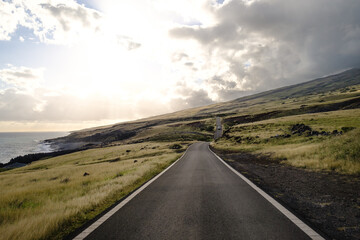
pixel 68 65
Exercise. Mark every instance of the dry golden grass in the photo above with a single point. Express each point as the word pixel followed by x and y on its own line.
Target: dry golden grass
pixel 340 154
pixel 50 198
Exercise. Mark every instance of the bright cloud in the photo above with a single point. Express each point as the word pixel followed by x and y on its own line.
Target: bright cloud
pixel 9 18
pixel 57 21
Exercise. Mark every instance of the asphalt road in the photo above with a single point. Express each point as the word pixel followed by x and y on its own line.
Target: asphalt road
pixel 198 198
pixel 218 130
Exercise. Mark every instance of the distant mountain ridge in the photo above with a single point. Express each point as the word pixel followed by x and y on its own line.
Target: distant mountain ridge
pixel 317 86
pixel 320 85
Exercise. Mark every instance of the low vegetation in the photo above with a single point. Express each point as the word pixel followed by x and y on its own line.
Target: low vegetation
pixel 341 154
pixel 322 141
pixel 50 198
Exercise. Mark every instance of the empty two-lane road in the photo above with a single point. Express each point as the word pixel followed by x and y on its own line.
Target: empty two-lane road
pixel 198 198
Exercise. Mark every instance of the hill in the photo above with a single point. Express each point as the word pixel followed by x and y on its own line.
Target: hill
pixel 329 93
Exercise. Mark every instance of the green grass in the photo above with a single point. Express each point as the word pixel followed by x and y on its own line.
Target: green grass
pixel 50 198
pixel 343 147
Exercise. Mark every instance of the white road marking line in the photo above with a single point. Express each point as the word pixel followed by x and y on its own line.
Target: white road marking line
pixel 305 228
pixel 96 224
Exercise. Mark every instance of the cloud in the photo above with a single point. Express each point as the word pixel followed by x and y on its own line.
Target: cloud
pixel 42 107
pixel 267 44
pixel 56 22
pixel 22 78
pixel 190 98
pixel 176 57
pixel 66 14
pixel 23 97
pixel 132 55
pixel 128 43
pixel 9 19
pixel 18 106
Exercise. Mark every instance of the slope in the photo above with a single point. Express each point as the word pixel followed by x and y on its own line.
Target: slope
pixel 323 94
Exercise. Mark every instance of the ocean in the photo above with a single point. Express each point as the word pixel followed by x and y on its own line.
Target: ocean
pixel 21 143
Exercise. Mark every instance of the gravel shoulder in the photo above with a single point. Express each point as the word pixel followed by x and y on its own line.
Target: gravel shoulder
pixel 328 201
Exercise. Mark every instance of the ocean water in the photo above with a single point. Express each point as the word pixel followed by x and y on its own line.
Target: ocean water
pixel 22 143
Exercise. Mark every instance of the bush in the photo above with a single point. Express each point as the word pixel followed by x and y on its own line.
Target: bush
pixel 347 129
pixel 175 146
pixel 210 128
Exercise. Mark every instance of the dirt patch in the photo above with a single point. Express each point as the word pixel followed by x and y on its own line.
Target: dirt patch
pixel 327 201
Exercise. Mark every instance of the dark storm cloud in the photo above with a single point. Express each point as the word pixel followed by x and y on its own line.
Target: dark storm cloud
pixel 226 90
pixel 216 80
pixel 193 98
pixel 268 44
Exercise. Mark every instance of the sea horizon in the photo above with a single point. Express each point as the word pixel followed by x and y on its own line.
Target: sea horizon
pixel 14 144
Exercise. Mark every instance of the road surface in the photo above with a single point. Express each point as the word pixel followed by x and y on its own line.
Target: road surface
pixel 218 130
pixel 198 198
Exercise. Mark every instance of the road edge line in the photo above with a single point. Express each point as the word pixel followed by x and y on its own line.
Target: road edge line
pixel 300 224
pixel 98 222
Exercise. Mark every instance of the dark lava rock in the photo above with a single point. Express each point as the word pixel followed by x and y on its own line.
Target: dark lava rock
pixel 300 128
pixel 314 133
